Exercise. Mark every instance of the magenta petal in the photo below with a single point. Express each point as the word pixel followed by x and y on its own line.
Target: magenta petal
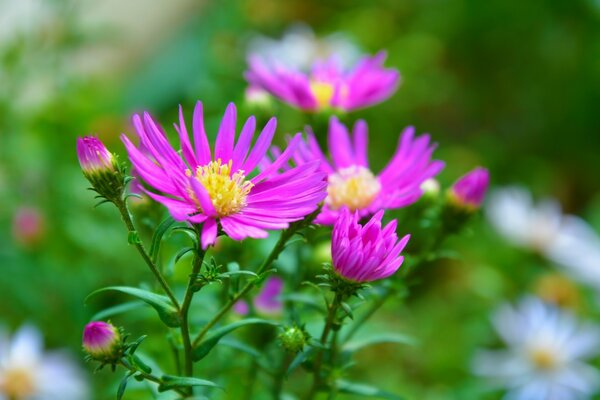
pixel 200 140
pixel 209 233
pixel 226 135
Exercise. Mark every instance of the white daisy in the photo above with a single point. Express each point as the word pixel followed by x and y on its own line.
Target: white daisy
pixel 27 373
pixel 300 48
pixel 566 240
pixel 545 354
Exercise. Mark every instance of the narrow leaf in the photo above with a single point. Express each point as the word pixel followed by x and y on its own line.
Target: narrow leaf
pixel 173 382
pixel 158 235
pixel 115 310
pixel 365 390
pixel 378 338
pixel 207 344
pixel 123 385
pixel 167 313
pixel 299 359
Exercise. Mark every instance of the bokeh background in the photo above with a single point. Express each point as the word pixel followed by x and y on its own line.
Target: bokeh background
pixel 511 85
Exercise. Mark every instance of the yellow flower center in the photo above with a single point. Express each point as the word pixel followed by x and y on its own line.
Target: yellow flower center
pixel 17 384
pixel 227 191
pixel 543 359
pixel 354 187
pixel 323 92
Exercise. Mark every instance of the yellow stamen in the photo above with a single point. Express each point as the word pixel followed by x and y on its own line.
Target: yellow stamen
pixel 544 359
pixel 323 92
pixel 227 191
pixel 354 187
pixel 18 383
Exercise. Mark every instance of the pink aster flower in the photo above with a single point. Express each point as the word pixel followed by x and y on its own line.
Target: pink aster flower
pixel 365 253
pixel 28 225
pixel 352 185
pixel 469 190
pixel 328 84
pixel 202 188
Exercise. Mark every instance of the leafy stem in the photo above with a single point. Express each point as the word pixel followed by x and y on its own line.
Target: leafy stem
pixel 277 249
pixel 332 310
pixel 185 308
pixel 146 376
pixel 135 240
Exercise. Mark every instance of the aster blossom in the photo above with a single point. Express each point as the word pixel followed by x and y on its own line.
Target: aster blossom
pixel 365 253
pixel 350 182
pixel 267 301
pixel 28 372
pixel 545 357
pixel 328 85
pixel 218 190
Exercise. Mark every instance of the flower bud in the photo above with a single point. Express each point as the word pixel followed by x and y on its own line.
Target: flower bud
pixel 469 190
pixel 293 339
pixel 100 167
pixel 102 341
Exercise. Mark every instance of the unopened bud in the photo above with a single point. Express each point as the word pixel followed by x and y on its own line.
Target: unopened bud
pixel 293 339
pixel 102 341
pixel 100 167
pixel 469 190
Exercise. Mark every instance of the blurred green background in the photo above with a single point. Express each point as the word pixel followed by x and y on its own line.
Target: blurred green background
pixel 511 85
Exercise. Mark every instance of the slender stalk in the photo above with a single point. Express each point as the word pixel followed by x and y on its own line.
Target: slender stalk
pixel 279 246
pixel 184 313
pixel 147 376
pixel 376 305
pixel 331 313
pixel 280 375
pixel 142 250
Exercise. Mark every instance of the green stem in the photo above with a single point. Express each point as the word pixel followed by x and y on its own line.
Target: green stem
pixel 280 376
pixel 331 313
pixel 142 250
pixel 388 292
pixel 147 376
pixel 184 313
pixel 285 236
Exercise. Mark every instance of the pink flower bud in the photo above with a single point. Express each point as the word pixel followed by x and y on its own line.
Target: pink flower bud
pixel 101 339
pixel 469 190
pixel 94 156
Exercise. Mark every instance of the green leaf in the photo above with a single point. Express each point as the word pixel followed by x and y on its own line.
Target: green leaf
pixel 299 359
pixel 378 338
pixel 133 346
pixel 158 235
pixel 365 390
pixel 167 313
pixel 235 273
pixel 115 310
pixel 347 309
pixel 141 365
pixel 123 385
pixel 207 344
pixel 173 382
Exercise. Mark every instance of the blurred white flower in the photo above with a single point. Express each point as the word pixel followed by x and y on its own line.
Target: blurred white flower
pixel 27 373
pixel 299 48
pixel 566 240
pixel 545 354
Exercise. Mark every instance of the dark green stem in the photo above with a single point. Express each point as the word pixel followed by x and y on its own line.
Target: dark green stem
pixel 184 313
pixel 331 313
pixel 142 250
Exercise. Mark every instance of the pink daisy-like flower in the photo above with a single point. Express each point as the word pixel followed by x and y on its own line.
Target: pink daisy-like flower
pixel 202 188
pixel 365 253
pixel 352 185
pixel 328 84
